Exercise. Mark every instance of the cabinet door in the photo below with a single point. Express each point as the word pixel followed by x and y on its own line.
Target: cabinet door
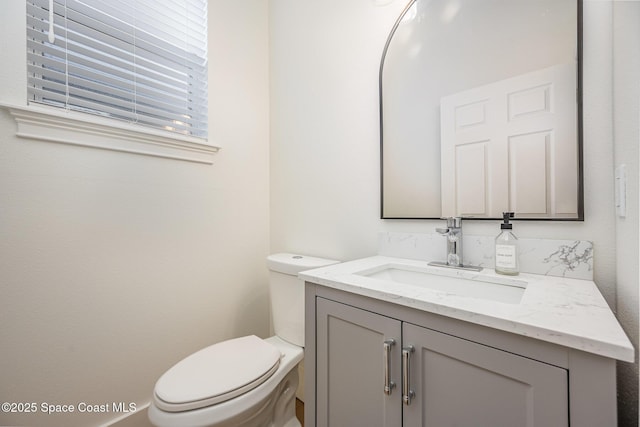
pixel 350 372
pixel 462 383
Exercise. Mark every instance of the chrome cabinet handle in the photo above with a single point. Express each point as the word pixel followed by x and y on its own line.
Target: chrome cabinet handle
pixel 388 384
pixel 407 393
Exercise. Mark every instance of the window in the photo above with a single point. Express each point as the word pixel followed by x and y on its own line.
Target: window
pixel 140 61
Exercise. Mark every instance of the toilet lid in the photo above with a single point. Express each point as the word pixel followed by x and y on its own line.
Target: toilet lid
pixel 217 373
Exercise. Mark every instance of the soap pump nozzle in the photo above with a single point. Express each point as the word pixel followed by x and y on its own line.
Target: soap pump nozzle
pixel 506 225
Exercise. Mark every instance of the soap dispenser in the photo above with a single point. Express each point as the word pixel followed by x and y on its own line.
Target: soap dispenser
pixel 507 248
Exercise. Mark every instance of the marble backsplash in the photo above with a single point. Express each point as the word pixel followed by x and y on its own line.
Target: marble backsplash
pixel 561 258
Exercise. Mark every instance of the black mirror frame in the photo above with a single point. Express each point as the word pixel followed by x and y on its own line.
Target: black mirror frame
pixel 579 122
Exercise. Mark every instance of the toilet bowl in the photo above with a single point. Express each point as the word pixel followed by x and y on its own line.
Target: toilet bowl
pixel 246 381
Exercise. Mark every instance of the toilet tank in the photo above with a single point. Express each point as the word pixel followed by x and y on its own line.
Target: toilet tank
pixel 287 293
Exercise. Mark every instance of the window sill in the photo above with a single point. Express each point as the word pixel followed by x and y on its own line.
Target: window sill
pixel 69 127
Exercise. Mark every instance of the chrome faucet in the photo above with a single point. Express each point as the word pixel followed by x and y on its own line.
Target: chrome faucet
pixel 453 233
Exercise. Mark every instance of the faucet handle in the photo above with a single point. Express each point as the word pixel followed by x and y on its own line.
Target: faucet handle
pixel 453 221
pixel 443 231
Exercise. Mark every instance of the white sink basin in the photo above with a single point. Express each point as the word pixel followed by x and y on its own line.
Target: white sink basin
pixel 461 283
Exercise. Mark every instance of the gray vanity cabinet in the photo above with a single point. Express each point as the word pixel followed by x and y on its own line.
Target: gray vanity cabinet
pixel 450 381
pixel 461 383
pixel 350 367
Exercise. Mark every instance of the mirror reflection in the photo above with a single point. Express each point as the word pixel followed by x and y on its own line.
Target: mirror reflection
pixel 480 110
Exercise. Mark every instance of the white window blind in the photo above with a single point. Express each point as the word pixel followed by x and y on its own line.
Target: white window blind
pixel 142 61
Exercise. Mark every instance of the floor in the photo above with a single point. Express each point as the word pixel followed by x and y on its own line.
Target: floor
pixel 300 411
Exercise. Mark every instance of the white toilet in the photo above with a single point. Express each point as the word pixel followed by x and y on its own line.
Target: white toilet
pixel 247 381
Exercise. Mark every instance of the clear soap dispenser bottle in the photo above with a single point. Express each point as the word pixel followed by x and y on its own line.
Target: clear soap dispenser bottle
pixel 507 248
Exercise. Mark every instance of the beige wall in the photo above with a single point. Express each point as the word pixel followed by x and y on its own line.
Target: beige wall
pixel 114 266
pixel 325 148
pixel 626 113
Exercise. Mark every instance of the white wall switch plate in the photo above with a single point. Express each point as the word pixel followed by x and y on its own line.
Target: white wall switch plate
pixel 621 191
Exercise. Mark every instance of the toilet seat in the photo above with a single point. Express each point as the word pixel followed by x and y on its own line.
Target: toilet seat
pixel 216 373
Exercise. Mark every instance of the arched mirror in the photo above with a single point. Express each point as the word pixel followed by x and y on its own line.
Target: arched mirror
pixel 480 110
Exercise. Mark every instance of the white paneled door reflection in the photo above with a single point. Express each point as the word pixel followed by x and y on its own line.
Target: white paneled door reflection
pixel 511 146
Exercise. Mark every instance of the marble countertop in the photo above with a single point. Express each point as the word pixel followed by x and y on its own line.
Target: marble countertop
pixel 564 311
